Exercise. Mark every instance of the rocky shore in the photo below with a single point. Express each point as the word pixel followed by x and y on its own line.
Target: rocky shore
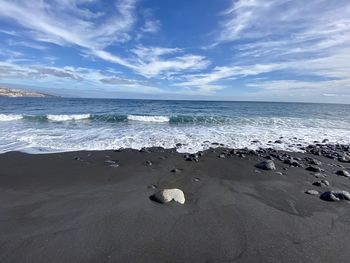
pixel 15 93
pixel 157 205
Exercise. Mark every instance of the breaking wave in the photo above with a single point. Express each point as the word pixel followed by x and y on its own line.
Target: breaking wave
pixel 159 119
pixel 10 117
pixel 274 122
pixel 70 117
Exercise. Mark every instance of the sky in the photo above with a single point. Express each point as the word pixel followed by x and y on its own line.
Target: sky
pixel 265 50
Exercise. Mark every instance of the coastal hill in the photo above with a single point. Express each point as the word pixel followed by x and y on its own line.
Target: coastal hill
pixel 8 92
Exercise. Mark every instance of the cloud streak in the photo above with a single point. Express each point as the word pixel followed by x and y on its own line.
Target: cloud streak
pixel 275 46
pixel 95 31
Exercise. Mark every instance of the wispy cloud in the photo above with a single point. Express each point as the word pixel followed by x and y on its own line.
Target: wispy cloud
pixel 153 61
pixel 211 81
pixel 151 26
pixel 287 19
pixel 157 61
pixel 27 44
pixel 271 29
pixel 64 23
pixel 86 76
pixel 302 39
pixel 276 46
pixel 95 31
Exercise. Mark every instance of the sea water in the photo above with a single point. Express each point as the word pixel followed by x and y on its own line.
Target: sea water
pixel 41 125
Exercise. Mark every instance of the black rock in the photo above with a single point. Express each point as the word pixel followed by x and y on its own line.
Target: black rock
pixel 175 170
pixel 344 159
pixel 252 152
pixel 321 183
pixel 343 173
pixel 335 196
pixel 266 165
pixel 317 152
pixel 233 152
pixel 292 162
pixel 222 155
pixel 312 161
pixel 149 163
pixel 191 157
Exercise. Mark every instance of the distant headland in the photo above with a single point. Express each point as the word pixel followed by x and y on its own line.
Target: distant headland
pixel 9 92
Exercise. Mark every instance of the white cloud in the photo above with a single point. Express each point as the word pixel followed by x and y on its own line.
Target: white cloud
pixel 307 41
pixel 271 29
pixel 286 19
pixel 151 26
pixel 108 81
pixel 64 23
pixel 150 53
pixel 210 81
pixel 27 44
pixel 152 61
pixel 67 23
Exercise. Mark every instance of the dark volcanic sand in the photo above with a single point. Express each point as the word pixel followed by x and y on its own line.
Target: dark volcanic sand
pixel 58 208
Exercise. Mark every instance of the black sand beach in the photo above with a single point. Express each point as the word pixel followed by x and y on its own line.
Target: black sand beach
pixel 96 207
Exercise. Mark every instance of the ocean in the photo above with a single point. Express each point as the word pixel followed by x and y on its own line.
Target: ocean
pixel 46 125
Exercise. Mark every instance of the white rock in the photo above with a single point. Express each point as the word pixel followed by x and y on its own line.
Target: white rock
pixel 167 195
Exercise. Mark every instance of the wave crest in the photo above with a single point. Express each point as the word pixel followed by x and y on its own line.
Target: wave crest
pixel 159 119
pixel 67 117
pixel 10 117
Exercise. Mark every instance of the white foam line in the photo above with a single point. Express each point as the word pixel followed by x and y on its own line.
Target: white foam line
pixel 10 117
pixel 148 118
pixel 68 117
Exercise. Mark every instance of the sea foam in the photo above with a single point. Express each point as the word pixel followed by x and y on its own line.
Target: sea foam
pixel 67 117
pixel 160 119
pixel 10 117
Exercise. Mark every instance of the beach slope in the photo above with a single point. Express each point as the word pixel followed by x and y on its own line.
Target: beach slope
pixel 96 207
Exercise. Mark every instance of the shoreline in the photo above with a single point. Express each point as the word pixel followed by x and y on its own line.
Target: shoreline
pixel 326 147
pixel 95 206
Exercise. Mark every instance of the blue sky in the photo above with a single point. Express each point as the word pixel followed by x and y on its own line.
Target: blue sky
pixel 271 50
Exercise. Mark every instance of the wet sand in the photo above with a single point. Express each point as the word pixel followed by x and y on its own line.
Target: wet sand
pixel 95 207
